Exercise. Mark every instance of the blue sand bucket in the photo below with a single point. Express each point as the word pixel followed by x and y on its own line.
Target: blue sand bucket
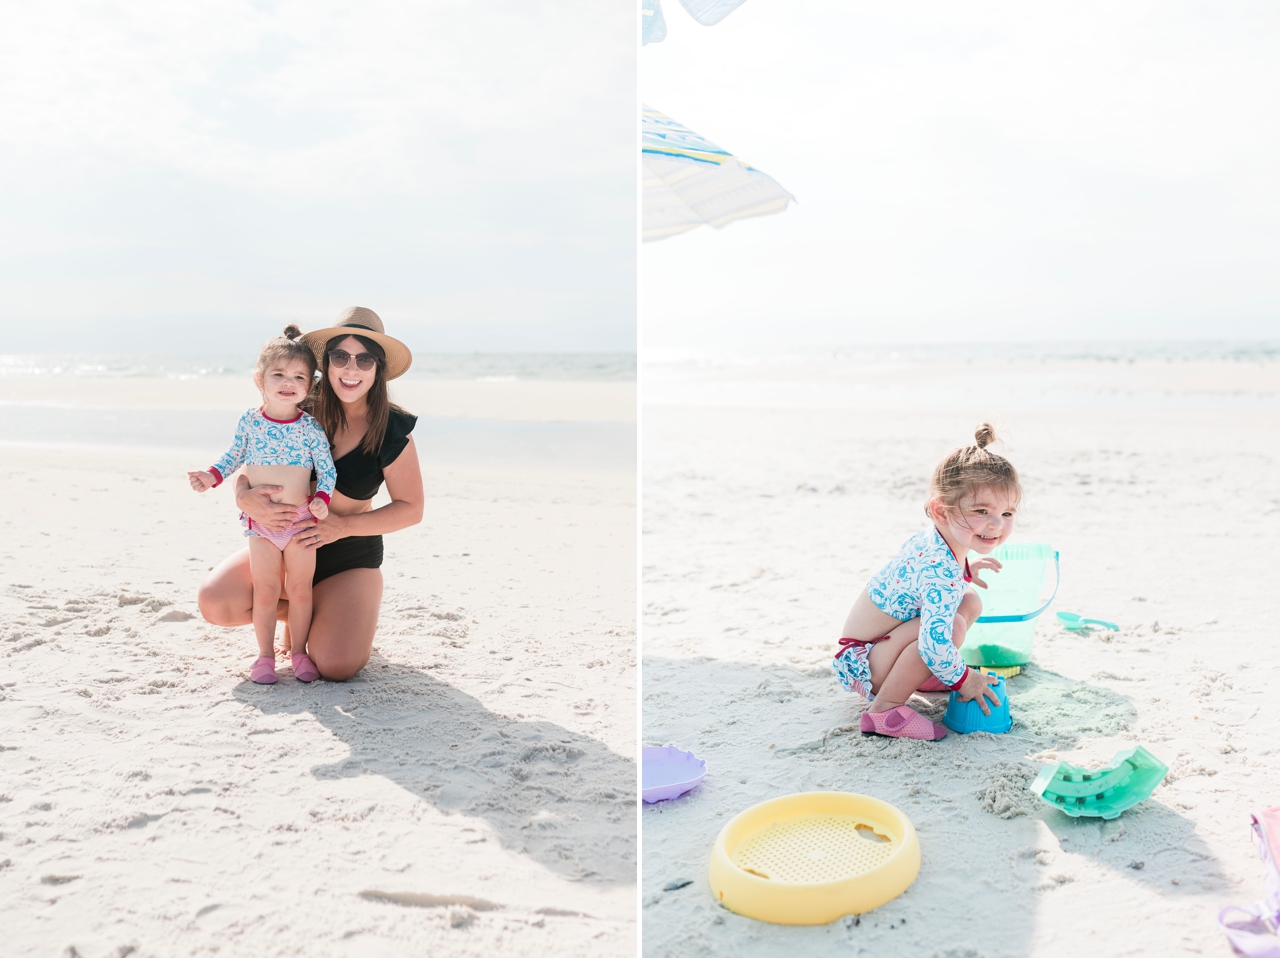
pixel 1002 634
pixel 966 717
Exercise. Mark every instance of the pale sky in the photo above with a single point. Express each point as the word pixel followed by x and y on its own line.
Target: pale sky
pixel 189 175
pixel 978 172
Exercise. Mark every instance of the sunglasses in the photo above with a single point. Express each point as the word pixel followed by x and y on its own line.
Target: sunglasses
pixel 340 358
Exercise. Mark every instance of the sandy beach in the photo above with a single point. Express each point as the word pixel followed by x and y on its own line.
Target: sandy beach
pixel 773 489
pixel 471 792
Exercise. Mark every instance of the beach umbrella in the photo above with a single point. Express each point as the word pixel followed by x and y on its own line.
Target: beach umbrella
pixel 653 24
pixel 689 181
pixel 706 12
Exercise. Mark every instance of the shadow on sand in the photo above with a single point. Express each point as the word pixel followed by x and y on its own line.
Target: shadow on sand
pixel 562 798
pixel 772 730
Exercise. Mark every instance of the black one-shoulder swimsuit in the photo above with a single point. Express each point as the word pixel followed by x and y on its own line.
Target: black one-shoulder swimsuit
pixel 360 477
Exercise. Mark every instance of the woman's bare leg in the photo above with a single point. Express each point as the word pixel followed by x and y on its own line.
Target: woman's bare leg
pixel 226 595
pixel 344 618
pixel 344 612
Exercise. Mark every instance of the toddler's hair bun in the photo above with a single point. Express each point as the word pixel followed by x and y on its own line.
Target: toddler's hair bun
pixel 292 331
pixel 968 469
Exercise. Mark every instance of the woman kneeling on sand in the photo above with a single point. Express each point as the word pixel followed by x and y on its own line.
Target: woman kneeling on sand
pixel 371 443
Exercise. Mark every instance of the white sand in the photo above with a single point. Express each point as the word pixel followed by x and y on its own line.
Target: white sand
pixel 770 494
pixel 470 793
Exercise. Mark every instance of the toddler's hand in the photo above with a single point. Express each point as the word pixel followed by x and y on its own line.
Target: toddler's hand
pixel 977 685
pixel 200 481
pixel 986 562
pixel 319 509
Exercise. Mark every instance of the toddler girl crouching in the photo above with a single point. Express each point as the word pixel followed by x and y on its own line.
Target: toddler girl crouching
pixel 906 627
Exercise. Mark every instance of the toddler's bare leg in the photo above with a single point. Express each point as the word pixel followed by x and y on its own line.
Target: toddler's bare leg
pixel 300 566
pixel 896 667
pixel 282 611
pixel 970 607
pixel 264 566
pixel 282 614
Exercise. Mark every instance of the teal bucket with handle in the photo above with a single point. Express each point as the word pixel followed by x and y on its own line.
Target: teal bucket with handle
pixel 1002 635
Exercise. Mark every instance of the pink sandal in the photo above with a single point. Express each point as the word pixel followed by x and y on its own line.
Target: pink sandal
pixel 304 670
pixel 902 722
pixel 263 670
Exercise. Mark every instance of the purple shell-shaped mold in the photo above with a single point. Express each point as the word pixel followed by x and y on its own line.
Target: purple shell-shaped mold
pixel 669 772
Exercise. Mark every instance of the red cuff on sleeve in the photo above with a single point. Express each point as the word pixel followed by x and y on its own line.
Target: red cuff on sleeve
pixel 964 675
pixel 217 476
pixel 322 495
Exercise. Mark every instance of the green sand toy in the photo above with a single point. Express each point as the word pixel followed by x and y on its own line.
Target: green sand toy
pixel 1105 792
pixel 1075 622
pixel 1002 635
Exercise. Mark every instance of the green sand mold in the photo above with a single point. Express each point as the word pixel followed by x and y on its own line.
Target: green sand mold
pixel 1101 793
pixel 992 655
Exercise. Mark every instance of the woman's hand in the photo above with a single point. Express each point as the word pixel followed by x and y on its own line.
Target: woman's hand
pixel 326 530
pixel 255 502
pixel 986 562
pixel 977 685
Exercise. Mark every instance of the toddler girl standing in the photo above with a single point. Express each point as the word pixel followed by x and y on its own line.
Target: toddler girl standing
pixel 279 444
pixel 905 629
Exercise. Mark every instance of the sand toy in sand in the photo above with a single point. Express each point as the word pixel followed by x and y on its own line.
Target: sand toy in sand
pixel 1007 671
pixel 1010 605
pixel 966 717
pixel 1252 928
pixel 669 772
pixel 1105 792
pixel 808 859
pixel 1076 623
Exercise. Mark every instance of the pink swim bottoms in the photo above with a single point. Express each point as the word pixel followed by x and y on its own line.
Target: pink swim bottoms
pixel 278 539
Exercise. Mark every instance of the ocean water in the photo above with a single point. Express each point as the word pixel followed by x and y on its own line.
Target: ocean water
pixel 1196 376
pixel 504 367
pixel 605 446
pixel 574 446
pixel 1085 351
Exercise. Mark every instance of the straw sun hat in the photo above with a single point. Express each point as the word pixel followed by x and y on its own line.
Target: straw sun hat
pixel 358 321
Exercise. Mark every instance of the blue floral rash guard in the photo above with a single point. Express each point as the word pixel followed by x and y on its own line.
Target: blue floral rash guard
pixel 924 579
pixel 263 441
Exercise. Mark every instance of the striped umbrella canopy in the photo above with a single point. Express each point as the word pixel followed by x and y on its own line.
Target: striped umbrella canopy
pixel 706 12
pixel 689 181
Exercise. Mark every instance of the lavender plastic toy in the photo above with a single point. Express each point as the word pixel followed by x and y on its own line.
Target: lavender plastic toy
pixel 669 772
pixel 1252 928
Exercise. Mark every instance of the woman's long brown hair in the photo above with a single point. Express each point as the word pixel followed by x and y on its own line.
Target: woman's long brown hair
pixel 325 405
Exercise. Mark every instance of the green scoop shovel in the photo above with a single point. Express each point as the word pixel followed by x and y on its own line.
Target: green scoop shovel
pixel 1075 622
